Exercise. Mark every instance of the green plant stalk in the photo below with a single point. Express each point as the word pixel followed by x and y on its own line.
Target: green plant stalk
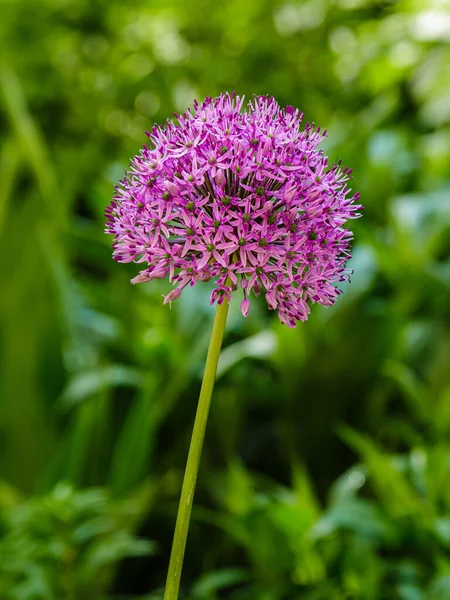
pixel 195 451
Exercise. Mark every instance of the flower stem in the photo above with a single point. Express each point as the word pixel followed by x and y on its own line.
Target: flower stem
pixel 195 450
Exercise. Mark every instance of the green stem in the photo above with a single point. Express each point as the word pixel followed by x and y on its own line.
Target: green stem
pixel 195 451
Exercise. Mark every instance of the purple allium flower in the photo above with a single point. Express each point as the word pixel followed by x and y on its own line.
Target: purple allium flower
pixel 240 196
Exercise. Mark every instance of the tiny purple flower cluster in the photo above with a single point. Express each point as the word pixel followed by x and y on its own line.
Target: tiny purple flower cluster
pixel 242 197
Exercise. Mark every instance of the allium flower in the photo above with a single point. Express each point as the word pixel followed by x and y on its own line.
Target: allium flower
pixel 242 197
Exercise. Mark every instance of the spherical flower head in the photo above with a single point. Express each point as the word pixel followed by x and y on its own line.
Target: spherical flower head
pixel 240 196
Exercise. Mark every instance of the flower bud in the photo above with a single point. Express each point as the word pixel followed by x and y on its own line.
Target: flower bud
pixel 159 273
pixel 173 295
pixel 142 277
pixel 289 194
pixel 171 187
pixel 245 307
pixel 271 300
pixel 267 147
pixel 220 178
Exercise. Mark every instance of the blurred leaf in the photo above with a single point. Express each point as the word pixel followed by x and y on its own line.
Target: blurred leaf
pixel 9 171
pixel 415 393
pixel 111 549
pixel 358 516
pixel 262 345
pixel 440 589
pixel 218 580
pixel 30 138
pixel 85 385
pixel 397 496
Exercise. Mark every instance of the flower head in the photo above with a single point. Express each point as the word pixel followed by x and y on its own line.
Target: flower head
pixel 242 197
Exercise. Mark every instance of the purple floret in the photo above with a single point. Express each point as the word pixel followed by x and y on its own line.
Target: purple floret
pixel 240 196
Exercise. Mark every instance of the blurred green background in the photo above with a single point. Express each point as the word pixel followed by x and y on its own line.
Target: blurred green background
pixel 326 467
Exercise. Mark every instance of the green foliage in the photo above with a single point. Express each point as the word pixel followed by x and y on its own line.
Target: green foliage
pixel 367 543
pixel 65 544
pixel 99 381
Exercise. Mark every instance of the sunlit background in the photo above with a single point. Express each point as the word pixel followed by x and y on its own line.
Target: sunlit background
pixel 326 467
